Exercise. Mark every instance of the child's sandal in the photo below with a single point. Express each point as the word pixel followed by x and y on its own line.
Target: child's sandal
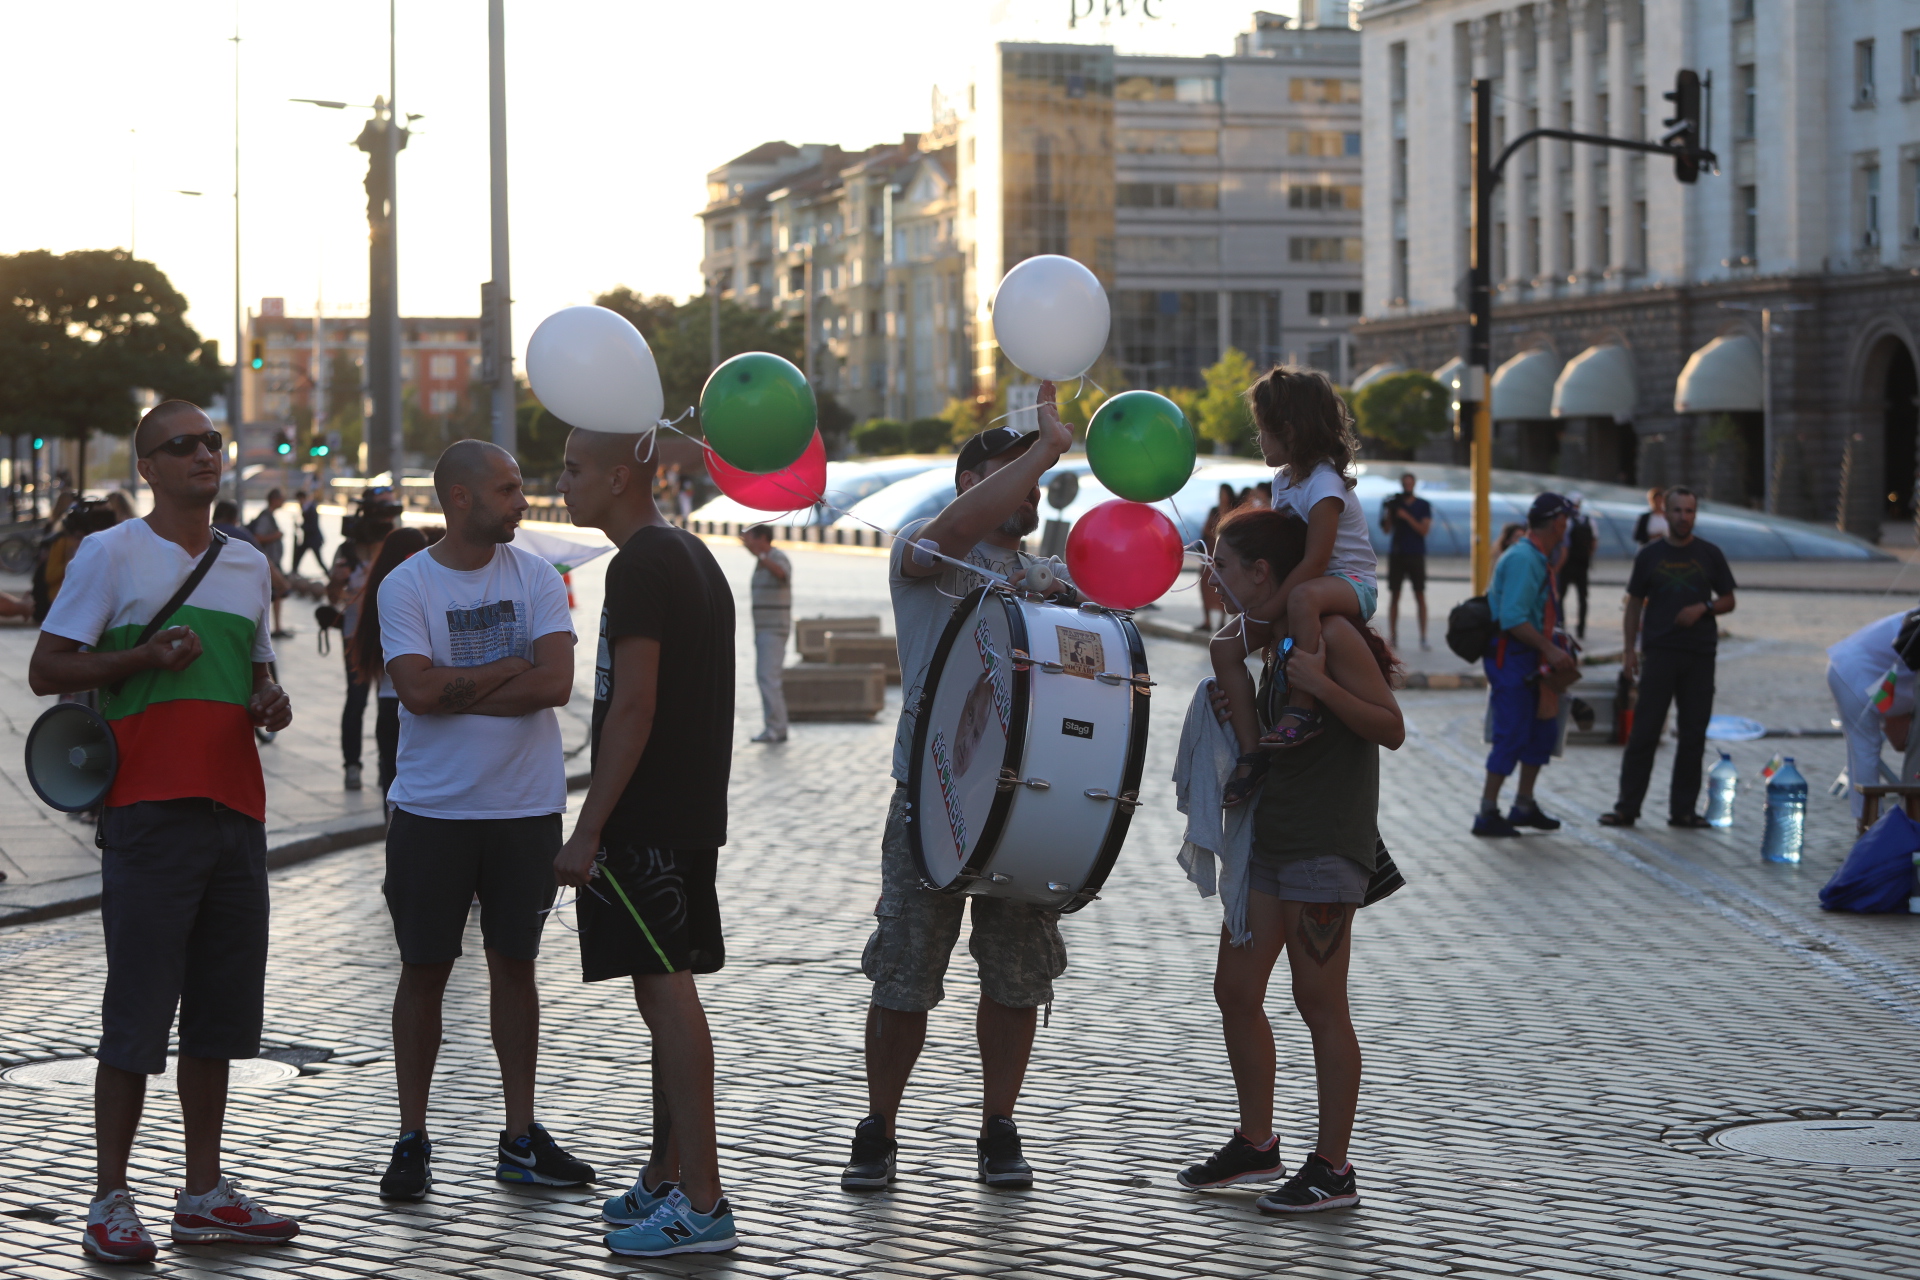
pixel 1308 726
pixel 1238 789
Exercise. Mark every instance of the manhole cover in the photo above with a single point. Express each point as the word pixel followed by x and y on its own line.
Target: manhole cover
pixel 77 1073
pixel 1885 1143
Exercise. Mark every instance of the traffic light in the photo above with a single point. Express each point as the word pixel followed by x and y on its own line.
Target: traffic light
pixel 1683 126
pixel 39 442
pixel 256 354
pixel 317 451
pixel 284 444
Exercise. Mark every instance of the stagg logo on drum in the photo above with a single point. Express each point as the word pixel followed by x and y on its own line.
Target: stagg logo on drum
pixel 956 820
pixel 1077 728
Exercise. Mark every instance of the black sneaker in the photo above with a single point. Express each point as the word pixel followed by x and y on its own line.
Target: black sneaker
pixel 535 1157
pixel 409 1173
pixel 1529 815
pixel 1488 822
pixel 1238 1161
pixel 1001 1164
pixel 874 1155
pixel 1314 1188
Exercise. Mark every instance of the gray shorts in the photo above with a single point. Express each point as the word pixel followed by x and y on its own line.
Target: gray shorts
pixel 1329 878
pixel 183 903
pixel 1018 947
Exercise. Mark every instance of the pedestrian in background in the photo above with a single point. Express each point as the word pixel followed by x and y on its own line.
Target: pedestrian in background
pixel 1577 563
pixel 1856 668
pixel 183 865
pixel 1679 584
pixel 1652 523
pixel 1527 668
pixel 346 584
pixel 310 539
pixel 479 645
pixel 772 595
pixel 1406 520
pixel 267 535
pixel 371 656
pixel 1210 598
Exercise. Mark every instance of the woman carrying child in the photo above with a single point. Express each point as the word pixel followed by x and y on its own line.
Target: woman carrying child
pixel 1306 432
pixel 1314 848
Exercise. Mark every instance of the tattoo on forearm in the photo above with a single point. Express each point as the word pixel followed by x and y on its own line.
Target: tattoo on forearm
pixel 1322 930
pixel 459 694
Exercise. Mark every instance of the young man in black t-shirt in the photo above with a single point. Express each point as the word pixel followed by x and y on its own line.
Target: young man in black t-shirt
pixel 1679 585
pixel 644 850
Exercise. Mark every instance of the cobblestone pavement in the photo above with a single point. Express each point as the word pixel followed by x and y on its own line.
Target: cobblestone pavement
pixel 1552 1026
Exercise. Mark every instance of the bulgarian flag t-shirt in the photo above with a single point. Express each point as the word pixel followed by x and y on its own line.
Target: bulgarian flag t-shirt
pixel 179 733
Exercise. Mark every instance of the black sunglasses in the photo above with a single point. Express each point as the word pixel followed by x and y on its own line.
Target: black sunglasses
pixel 184 446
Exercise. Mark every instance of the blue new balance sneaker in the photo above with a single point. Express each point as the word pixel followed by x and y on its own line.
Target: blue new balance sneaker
pixel 676 1227
pixel 638 1204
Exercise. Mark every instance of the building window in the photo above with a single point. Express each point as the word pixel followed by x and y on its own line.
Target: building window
pixel 1165 338
pixel 1168 142
pixel 1749 206
pixel 1870 207
pixel 1639 233
pixel 1606 236
pixel 1254 326
pixel 1167 89
pixel 1329 91
pixel 442 401
pixel 1168 251
pixel 1324 248
pixel 1333 302
pixel 1863 91
pixel 1345 196
pixel 1910 63
pixel 440 367
pixel 1746 101
pixel 722 236
pixel 1400 272
pixel 1167 195
pixel 1742 10
pixel 1326 143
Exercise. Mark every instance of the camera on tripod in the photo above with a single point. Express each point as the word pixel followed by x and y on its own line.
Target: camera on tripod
pixel 373 517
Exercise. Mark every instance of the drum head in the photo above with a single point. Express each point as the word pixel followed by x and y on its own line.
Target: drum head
pixel 968 730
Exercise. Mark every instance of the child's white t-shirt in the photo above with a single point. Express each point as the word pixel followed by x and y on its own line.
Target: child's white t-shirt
pixel 1352 549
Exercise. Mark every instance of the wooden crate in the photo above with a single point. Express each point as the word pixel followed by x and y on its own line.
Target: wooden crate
pixel 834 691
pixel 810 634
pixel 863 647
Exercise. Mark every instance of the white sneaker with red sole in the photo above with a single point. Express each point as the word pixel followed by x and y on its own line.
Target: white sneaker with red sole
pixel 115 1232
pixel 227 1213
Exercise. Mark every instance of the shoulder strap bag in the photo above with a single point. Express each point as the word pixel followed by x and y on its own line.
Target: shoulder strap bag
pixel 172 606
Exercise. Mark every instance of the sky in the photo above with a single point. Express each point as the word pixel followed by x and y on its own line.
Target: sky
pixel 616 111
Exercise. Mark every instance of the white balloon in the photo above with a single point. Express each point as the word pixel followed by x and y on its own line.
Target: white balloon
pixel 1050 316
pixel 592 369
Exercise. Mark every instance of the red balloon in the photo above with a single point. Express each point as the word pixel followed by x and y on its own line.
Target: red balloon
pixel 1124 554
pixel 788 489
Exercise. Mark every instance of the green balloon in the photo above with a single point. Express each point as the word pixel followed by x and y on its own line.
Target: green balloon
pixel 1140 446
pixel 757 412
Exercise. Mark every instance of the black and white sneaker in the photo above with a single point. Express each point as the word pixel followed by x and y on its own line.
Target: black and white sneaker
pixel 1317 1186
pixel 874 1159
pixel 1238 1161
pixel 536 1158
pixel 1001 1164
pixel 409 1173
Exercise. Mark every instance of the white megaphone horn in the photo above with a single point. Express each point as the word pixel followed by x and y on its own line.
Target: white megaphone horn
pixel 71 757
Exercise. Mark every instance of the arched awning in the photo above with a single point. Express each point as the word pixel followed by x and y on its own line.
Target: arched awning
pixel 1722 377
pixel 1597 383
pixel 1386 368
pixel 1523 386
pixel 1450 373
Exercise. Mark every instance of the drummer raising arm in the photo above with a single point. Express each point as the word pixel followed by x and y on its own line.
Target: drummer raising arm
pixel 1018 947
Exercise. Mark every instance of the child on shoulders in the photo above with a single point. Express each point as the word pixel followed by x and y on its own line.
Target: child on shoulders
pixel 1306 432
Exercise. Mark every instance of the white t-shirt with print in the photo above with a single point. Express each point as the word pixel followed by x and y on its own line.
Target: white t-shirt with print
pixel 1352 548
pixel 475 766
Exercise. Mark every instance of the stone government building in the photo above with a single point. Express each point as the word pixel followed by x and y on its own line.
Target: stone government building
pixel 1627 332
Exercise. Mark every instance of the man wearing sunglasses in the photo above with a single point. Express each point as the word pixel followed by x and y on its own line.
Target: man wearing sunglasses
pixel 183 836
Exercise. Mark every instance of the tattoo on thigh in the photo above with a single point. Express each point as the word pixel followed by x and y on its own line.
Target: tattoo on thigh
pixel 1322 928
pixel 458 694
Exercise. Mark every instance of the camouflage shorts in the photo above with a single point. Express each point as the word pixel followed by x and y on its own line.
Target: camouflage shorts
pixel 1018 947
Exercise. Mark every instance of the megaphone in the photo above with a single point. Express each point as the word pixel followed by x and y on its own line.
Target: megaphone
pixel 71 757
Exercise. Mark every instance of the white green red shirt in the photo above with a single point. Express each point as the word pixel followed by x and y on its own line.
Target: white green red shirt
pixel 179 733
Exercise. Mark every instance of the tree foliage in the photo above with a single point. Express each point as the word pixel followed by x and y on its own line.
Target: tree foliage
pixel 1401 410
pixel 681 338
pixel 81 332
pixel 1224 415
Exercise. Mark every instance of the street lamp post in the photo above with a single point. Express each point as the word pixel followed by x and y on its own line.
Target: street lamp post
pixel 499 292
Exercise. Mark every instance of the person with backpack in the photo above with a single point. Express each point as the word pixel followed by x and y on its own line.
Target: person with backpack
pixel 1578 561
pixel 1528 664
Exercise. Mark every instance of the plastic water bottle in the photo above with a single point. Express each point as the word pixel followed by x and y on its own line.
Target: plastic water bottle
pixel 1786 815
pixel 1721 781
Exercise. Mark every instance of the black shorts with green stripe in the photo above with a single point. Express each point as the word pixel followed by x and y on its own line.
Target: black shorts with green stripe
pixel 650 911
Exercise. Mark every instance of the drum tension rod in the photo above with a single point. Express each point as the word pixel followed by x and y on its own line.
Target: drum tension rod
pixel 1140 683
pixel 1009 780
pixel 1127 800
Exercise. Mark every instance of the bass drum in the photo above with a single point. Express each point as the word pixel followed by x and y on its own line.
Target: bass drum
pixel 1028 747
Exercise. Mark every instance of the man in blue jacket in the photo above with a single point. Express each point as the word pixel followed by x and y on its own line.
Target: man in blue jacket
pixel 1527 667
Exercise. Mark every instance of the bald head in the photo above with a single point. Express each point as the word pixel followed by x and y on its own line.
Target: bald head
pixel 609 449
pixel 466 463
pixel 166 420
pixel 604 480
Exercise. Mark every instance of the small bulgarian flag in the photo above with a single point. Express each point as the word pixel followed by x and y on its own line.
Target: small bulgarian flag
pixel 1880 696
pixel 1772 767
